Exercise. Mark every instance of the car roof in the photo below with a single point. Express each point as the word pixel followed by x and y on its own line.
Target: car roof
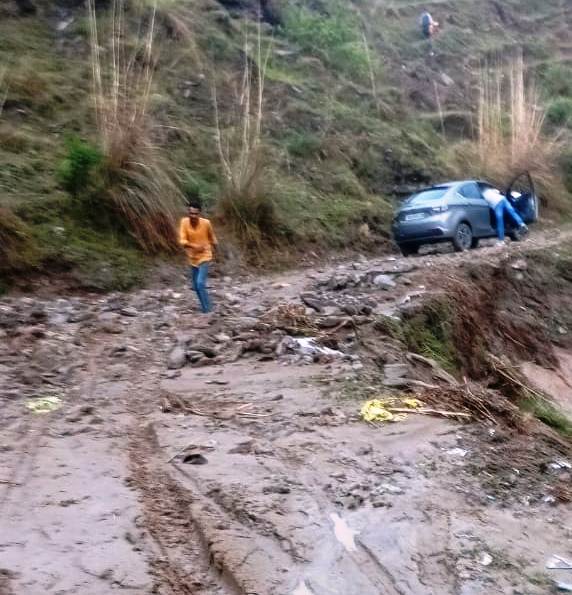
pixel 453 184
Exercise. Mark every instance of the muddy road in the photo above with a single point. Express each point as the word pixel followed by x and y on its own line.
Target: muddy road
pixel 228 457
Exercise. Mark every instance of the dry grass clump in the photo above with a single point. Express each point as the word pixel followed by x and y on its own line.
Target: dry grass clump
pixel 3 90
pixel 246 205
pixel 510 132
pixel 13 239
pixel 140 186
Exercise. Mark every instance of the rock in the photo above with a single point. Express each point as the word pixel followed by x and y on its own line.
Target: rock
pixel 110 327
pixel 206 350
pixel 395 375
pixel 312 301
pixel 350 309
pixel 330 310
pixel 177 358
pixel 195 356
pixel 80 316
pixel 519 265
pixel 170 374
pixel 129 311
pixel 446 79
pixel 329 321
pixel 384 281
pixel 338 282
pixel 231 298
pixel 389 488
pixel 276 489
pixel 222 338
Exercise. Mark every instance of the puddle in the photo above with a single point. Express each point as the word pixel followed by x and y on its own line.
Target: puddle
pixel 343 533
pixel 302 589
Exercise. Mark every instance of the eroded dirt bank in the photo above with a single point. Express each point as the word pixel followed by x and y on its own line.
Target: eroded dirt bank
pixel 232 459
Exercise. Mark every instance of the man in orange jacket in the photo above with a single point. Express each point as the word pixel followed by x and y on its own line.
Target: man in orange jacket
pixel 196 235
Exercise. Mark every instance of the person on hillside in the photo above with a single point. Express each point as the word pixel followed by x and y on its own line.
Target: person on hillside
pixel 500 205
pixel 428 25
pixel 197 237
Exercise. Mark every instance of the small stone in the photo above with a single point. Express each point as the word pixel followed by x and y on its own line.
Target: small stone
pixel 129 311
pixel 384 282
pixel 338 282
pixel 519 265
pixel 110 327
pixel 195 356
pixel 276 489
pixel 177 358
pixel 222 338
pixel 390 489
pixel 312 301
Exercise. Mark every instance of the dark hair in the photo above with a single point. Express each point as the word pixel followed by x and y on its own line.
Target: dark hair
pixel 193 198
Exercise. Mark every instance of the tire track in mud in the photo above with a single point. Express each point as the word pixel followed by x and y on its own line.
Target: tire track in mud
pixel 185 565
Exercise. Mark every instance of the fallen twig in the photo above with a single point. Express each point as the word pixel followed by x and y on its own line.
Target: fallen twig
pixel 428 412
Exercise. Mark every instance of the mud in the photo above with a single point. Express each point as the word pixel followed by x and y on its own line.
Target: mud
pixel 294 493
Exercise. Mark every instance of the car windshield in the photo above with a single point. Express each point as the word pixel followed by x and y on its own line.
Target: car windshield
pixel 428 196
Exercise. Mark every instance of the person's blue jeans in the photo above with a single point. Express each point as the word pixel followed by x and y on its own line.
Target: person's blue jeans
pixel 198 278
pixel 504 205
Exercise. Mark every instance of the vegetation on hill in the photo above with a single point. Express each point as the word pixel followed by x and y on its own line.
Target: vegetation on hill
pixel 298 129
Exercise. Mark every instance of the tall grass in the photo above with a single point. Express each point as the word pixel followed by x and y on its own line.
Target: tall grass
pixel 245 204
pixel 510 133
pixel 14 240
pixel 3 90
pixel 139 184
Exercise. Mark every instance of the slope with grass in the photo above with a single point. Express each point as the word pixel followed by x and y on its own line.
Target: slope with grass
pixel 354 110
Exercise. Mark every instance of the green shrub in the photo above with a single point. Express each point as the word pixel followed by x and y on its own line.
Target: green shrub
pixel 559 113
pixel 557 80
pixel 304 144
pixel 79 172
pixel 334 37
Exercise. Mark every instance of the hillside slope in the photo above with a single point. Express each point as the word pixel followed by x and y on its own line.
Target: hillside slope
pixel 357 109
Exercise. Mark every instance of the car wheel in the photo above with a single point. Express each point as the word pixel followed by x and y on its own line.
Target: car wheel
pixel 463 238
pixel 475 243
pixel 409 249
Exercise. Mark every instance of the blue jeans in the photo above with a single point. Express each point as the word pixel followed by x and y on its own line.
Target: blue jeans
pixel 198 277
pixel 504 205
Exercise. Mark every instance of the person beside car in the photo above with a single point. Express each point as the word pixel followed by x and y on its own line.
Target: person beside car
pixel 501 205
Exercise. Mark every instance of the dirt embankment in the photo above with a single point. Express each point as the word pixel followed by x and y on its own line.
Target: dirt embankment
pixel 230 457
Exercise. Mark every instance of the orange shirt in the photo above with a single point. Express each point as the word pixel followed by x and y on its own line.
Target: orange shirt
pixel 197 241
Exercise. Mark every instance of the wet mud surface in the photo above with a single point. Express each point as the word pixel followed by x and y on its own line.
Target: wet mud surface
pixel 185 457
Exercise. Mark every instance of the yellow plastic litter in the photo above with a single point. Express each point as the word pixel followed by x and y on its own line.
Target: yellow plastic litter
pixel 376 410
pixel 413 403
pixel 44 404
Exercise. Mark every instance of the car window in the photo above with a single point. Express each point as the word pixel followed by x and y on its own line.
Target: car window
pixel 428 196
pixel 470 190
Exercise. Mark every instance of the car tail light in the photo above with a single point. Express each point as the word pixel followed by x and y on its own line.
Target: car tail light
pixel 441 209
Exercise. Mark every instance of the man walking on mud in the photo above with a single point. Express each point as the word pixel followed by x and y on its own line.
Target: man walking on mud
pixel 197 237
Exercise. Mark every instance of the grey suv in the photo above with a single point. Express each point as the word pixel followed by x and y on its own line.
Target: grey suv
pixel 457 212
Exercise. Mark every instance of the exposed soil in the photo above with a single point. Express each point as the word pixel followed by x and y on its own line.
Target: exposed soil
pixel 223 458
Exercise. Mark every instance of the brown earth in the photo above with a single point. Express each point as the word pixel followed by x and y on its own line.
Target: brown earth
pixel 247 469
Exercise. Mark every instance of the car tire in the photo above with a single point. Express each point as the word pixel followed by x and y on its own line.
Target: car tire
pixel 475 243
pixel 463 237
pixel 409 249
